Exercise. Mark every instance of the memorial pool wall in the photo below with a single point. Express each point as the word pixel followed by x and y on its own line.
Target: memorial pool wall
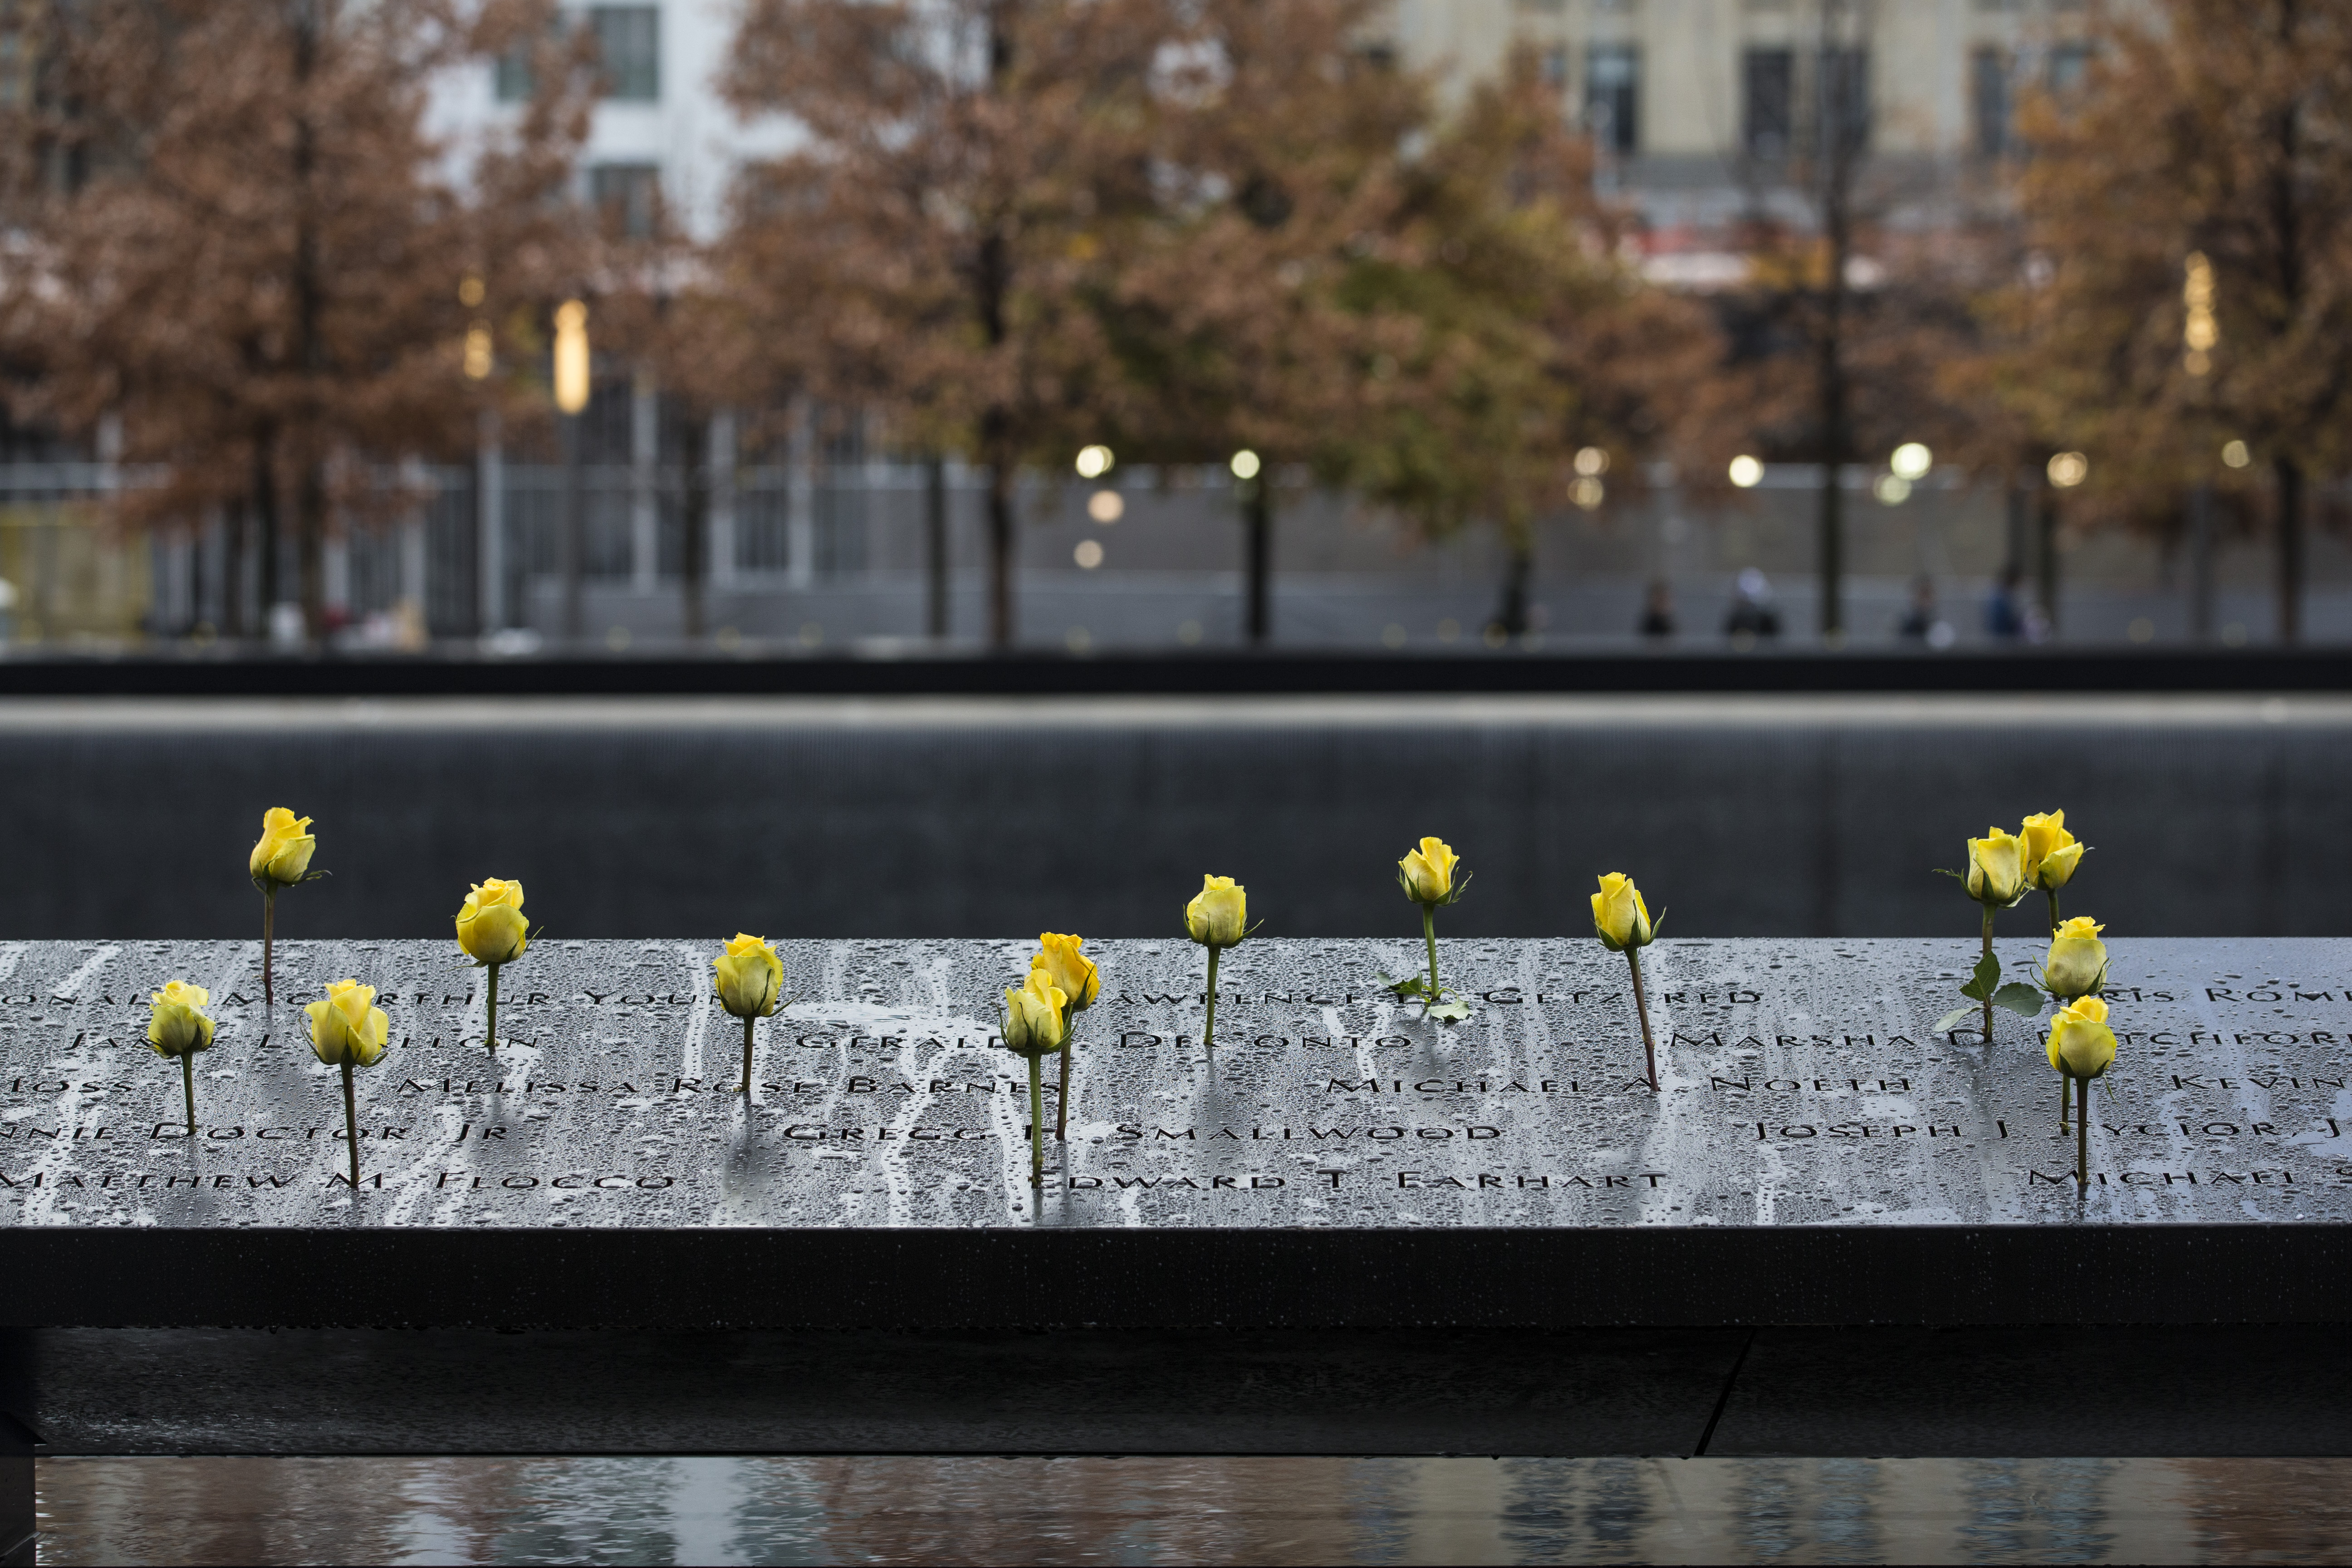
pixel 1818 815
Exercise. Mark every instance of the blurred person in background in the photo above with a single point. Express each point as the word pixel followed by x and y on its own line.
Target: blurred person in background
pixel 2004 615
pixel 1752 612
pixel 1920 623
pixel 1658 610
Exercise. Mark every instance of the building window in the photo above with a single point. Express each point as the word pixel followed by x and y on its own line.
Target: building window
pixel 626 197
pixel 628 48
pixel 628 54
pixel 1768 94
pixel 1612 97
pixel 2068 62
pixel 1842 95
pixel 1989 87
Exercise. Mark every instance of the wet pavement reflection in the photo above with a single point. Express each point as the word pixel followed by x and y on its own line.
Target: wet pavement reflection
pixel 1182 1510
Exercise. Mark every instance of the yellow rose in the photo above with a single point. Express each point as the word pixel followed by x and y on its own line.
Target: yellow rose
pixel 1619 918
pixel 1071 972
pixel 2051 852
pixel 1218 915
pixel 2080 1044
pixel 1033 1016
pixel 751 977
pixel 1996 868
pixel 1428 872
pixel 347 1026
pixel 491 927
pixel 2077 963
pixel 283 854
pixel 176 1026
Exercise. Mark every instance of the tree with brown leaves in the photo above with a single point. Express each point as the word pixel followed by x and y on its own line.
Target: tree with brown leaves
pixel 2190 212
pixel 256 261
pixel 967 171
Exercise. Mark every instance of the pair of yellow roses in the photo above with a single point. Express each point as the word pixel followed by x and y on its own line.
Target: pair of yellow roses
pixel 1062 983
pixel 2005 866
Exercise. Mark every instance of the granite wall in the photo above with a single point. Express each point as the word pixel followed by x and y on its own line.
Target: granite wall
pixel 1738 815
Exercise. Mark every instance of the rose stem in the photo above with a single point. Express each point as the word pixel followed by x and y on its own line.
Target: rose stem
pixel 352 1123
pixel 268 934
pixel 2083 1136
pixel 1642 1005
pixel 2053 893
pixel 1209 1037
pixel 1037 1129
pixel 1987 999
pixel 188 1087
pixel 1429 935
pixel 491 1028
pixel 1062 1104
pixel 747 1054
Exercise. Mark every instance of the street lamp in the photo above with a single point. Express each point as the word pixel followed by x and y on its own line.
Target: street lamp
pixel 572 380
pixel 1911 462
pixel 1747 472
pixel 1094 461
pixel 571 356
pixel 2068 469
pixel 2198 332
pixel 1244 463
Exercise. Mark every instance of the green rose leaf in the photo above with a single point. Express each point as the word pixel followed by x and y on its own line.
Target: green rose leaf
pixel 2023 1000
pixel 1954 1019
pixel 1984 981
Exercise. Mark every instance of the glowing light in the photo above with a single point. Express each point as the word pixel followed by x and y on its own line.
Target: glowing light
pixel 1911 461
pixel 469 292
pixel 1892 490
pixel 1094 462
pixel 477 351
pixel 1088 554
pixel 1245 463
pixel 1747 472
pixel 2068 469
pixel 572 356
pixel 1587 492
pixel 2199 330
pixel 2236 455
pixel 1105 506
pixel 1592 462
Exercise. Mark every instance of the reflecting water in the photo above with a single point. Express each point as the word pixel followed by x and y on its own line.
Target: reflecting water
pixel 1152 1511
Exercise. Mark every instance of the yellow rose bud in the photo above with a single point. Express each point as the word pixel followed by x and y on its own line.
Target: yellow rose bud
pixel 347 1026
pixel 2077 962
pixel 1619 918
pixel 283 854
pixel 1428 872
pixel 1996 868
pixel 2080 1044
pixel 1218 915
pixel 2051 852
pixel 751 977
pixel 491 927
pixel 1033 1016
pixel 176 1026
pixel 1071 972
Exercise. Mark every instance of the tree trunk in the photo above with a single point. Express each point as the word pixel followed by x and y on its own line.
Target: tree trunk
pixel 1000 476
pixel 935 547
pixel 2288 474
pixel 265 517
pixel 1518 573
pixel 2045 556
pixel 576 529
pixel 2200 563
pixel 693 517
pixel 310 539
pixel 232 589
pixel 1257 511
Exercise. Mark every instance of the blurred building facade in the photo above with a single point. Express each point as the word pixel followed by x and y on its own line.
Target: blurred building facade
pixel 1704 112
